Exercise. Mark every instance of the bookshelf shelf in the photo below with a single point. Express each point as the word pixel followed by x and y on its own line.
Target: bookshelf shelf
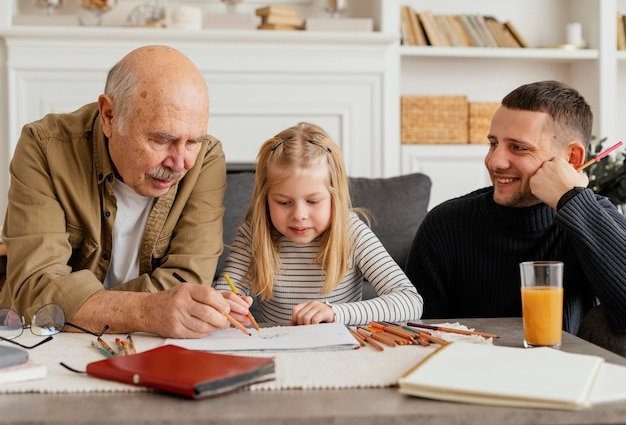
pixel 499 53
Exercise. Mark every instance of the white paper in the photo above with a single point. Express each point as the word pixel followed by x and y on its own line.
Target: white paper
pixel 324 336
pixel 540 377
pixel 610 384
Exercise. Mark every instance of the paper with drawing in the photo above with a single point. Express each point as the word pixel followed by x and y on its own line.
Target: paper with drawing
pixel 324 336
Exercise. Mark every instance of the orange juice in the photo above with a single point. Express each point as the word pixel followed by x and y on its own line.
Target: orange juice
pixel 542 312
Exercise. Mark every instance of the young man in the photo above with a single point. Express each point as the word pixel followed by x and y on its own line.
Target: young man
pixel 465 256
pixel 108 202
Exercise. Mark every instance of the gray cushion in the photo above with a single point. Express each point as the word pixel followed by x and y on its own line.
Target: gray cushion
pixel 239 186
pixel 397 206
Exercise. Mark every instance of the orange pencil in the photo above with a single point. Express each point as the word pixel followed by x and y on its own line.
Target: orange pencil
pixel 395 329
pixel 237 324
pixel 378 336
pixel 434 339
pixel 371 341
pixel 358 337
pixel 236 292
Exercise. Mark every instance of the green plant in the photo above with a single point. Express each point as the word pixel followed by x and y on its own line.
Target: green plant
pixel 607 176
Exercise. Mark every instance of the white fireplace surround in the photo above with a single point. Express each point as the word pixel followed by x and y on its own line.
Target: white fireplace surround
pixel 260 82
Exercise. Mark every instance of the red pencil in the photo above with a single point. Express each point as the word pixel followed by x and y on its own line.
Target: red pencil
pixel 599 156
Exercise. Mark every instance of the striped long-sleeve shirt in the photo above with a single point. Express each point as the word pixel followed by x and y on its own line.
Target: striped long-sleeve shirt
pixel 300 279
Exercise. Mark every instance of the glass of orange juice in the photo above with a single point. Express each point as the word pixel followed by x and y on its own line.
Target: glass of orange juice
pixel 542 303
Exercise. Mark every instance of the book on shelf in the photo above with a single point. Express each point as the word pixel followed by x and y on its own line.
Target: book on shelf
pixel 278 17
pixel 471 31
pixel 487 34
pixel 276 10
pixel 282 27
pixel 502 36
pixel 408 38
pixel 515 33
pixel 461 38
pixel 417 29
pixel 433 33
pixel 412 32
pixel 507 376
pixel 621 32
pixel 464 30
pixel 275 19
pixel 454 38
pixel 189 373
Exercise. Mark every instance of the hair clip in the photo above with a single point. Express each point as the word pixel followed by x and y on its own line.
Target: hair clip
pixel 280 143
pixel 313 142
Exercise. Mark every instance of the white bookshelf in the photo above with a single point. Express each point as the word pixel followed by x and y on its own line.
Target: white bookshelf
pixel 482 74
pixel 488 74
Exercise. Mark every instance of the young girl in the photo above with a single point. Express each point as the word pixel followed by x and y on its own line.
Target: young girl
pixel 302 249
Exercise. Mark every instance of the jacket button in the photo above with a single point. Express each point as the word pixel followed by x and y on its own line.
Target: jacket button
pixel 105 256
pixel 107 214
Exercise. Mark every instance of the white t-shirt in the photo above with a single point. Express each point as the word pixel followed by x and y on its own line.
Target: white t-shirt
pixel 132 214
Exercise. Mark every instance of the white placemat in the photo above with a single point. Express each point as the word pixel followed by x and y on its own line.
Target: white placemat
pixel 361 368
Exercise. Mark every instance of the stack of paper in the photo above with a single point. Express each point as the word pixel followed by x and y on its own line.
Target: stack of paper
pixel 486 374
pixel 323 336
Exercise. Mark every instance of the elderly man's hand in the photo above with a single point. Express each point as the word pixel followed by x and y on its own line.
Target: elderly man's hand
pixel 185 311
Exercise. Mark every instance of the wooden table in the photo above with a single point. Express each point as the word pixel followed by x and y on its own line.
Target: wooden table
pixel 353 406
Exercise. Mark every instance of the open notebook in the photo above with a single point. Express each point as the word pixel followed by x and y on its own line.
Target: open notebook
pixel 487 374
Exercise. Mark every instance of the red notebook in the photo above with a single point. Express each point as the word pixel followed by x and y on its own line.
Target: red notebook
pixel 190 373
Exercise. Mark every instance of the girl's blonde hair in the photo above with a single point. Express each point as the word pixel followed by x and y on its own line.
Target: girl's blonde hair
pixel 295 150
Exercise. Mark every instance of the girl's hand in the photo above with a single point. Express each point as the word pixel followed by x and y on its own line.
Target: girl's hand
pixel 239 306
pixel 312 312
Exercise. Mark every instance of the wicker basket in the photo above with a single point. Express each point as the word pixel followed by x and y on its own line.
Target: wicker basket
pixel 434 119
pixel 480 114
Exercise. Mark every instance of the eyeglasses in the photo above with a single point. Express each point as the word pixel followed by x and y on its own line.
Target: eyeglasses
pixel 47 321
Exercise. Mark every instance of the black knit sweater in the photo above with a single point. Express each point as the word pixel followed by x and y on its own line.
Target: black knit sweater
pixel 465 257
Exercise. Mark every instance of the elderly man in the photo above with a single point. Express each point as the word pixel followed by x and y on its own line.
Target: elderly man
pixel 108 203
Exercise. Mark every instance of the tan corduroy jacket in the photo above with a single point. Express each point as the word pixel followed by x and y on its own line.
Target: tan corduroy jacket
pixel 61 209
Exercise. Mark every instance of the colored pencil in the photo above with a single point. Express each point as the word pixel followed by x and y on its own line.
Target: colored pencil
pixel 452 330
pixel 232 320
pixel 131 344
pixel 599 156
pixel 106 346
pixel 356 336
pixel 371 341
pixel 236 292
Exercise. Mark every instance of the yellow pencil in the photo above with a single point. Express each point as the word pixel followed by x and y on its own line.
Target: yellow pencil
pixel 236 292
pixel 231 319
